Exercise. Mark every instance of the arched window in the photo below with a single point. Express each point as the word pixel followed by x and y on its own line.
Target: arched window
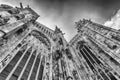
pixel 42 28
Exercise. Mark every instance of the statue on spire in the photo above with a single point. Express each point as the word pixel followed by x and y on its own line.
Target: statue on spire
pixel 57 30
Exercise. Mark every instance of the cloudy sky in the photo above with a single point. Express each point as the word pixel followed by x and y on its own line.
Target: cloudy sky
pixel 64 13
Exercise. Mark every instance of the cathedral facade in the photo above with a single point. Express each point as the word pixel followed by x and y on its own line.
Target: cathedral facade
pixel 31 51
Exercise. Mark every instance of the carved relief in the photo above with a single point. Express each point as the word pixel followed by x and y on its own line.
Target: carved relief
pixel 58 61
pixel 3 21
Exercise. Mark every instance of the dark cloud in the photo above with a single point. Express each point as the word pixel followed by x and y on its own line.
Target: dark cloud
pixel 69 11
pixel 65 12
pixel 104 3
pixel 105 7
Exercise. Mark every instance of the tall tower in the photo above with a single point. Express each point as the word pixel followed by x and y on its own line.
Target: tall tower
pixel 97 48
pixel 31 51
pixel 28 49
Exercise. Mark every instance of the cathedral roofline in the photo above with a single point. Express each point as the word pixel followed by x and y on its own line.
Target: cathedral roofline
pixel 82 22
pixel 86 22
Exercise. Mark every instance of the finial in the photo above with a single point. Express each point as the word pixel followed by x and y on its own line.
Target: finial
pixel 28 6
pixel 57 30
pixel 21 6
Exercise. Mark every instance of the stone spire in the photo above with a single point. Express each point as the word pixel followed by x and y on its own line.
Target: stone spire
pixel 21 6
pixel 81 23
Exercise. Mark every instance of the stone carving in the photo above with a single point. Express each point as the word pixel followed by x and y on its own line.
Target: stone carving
pixel 81 23
pixel 4 6
pixel 3 21
pixel 57 30
pixel 37 52
pixel 68 53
